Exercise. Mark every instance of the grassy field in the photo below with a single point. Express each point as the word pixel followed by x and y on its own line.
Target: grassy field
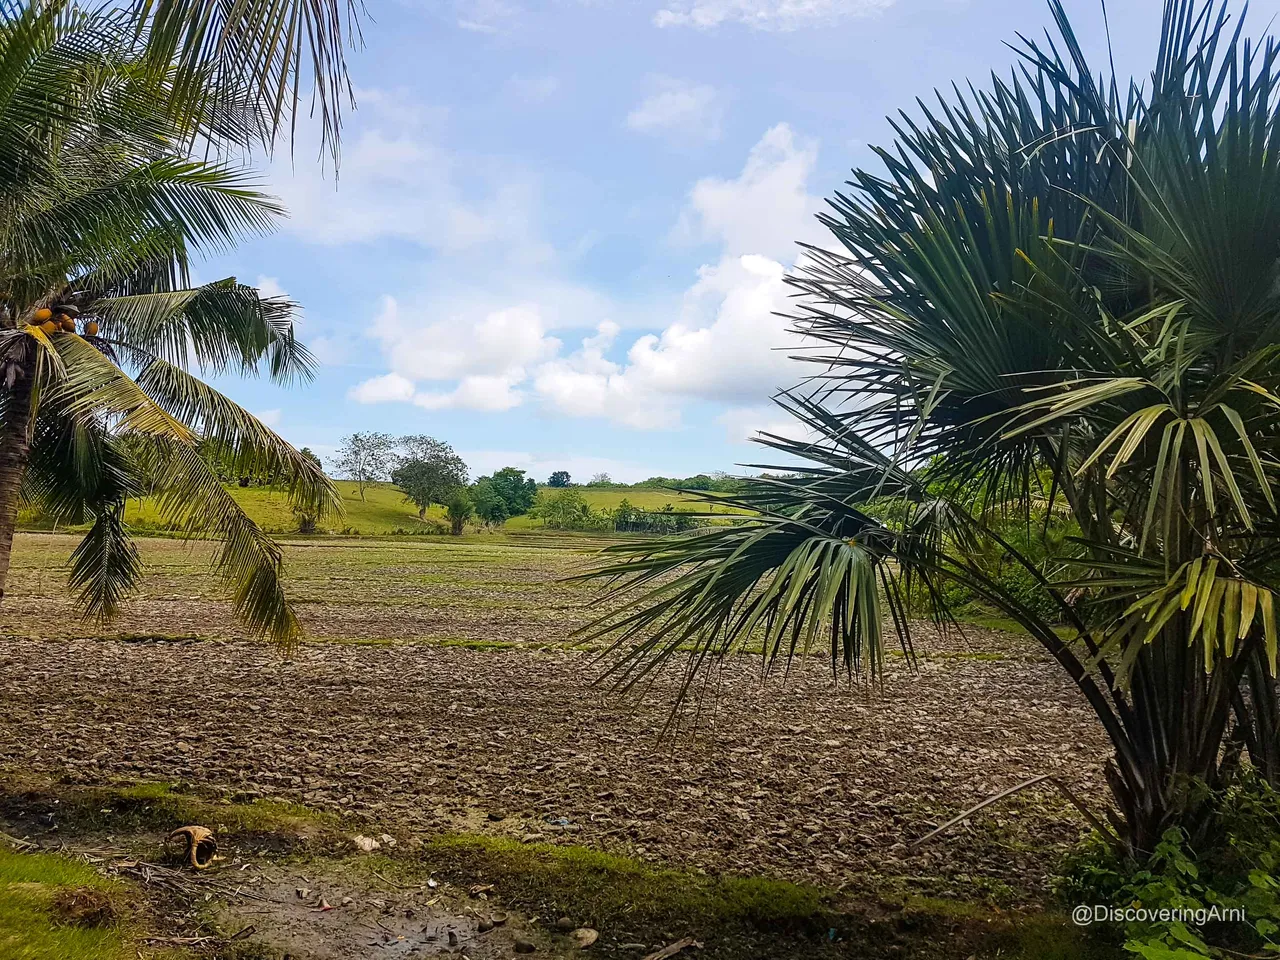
pixel 384 511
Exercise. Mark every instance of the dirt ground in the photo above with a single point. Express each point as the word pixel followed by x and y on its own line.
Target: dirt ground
pixel 805 780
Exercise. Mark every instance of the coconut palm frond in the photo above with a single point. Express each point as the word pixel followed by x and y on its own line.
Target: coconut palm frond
pixel 250 564
pixel 77 469
pixel 275 49
pixel 222 326
pixel 95 387
pixel 105 566
pixel 251 446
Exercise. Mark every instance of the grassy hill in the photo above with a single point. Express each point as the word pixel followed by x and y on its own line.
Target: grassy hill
pixel 382 512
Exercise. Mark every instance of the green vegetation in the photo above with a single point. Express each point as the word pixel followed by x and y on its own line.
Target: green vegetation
pixel 429 473
pixel 1233 863
pixel 383 512
pixel 38 917
pixel 147 807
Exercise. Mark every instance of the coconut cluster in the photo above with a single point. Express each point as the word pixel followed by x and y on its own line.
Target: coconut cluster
pixel 62 317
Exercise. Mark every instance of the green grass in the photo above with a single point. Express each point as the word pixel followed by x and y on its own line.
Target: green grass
pixel 30 928
pixel 601 889
pixel 153 806
pixel 382 512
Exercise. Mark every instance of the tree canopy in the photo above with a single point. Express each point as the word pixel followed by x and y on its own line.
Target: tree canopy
pixel 430 472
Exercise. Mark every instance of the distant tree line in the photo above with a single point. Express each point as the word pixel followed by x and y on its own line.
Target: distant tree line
pixel 569 510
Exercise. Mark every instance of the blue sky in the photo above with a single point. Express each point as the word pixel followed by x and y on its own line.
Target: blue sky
pixel 559 229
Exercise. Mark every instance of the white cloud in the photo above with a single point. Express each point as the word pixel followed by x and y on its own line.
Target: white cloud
pixel 488 393
pixel 764 14
pixel 388 388
pixel 269 287
pixel 585 383
pixel 679 110
pixel 487 354
pixel 763 210
pixel 269 417
pixel 493 349
pixel 729 344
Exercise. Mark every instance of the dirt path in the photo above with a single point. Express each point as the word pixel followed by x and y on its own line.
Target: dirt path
pixel 801 781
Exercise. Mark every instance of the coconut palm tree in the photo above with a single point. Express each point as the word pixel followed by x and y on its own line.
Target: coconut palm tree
pixel 101 207
pixel 1061 290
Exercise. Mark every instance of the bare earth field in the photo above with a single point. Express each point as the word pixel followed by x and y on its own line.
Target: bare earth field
pixel 441 690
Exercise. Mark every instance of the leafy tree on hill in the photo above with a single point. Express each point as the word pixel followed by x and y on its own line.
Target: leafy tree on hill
pixel 490 506
pixel 366 458
pixel 600 480
pixel 568 510
pixel 431 473
pixel 515 489
pixel 559 479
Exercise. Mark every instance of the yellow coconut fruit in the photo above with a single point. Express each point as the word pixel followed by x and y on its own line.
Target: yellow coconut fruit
pixel 91 328
pixel 48 327
pixel 68 325
pixel 43 314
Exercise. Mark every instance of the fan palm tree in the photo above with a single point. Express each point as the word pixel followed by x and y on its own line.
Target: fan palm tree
pixel 101 207
pixel 1061 290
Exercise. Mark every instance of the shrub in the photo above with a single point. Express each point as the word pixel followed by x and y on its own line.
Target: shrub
pixel 1232 864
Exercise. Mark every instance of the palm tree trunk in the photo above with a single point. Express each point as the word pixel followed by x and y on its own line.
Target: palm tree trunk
pixel 15 444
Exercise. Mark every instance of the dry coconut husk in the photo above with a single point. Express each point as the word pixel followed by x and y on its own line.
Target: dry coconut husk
pixel 200 845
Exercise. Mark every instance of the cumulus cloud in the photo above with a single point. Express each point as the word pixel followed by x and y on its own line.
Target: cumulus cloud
pixel 766 208
pixel 726 345
pixel 678 110
pixel 486 354
pixel 585 383
pixel 764 14
pixel 729 344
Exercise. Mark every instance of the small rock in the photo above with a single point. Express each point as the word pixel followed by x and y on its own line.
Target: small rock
pixel 565 924
pixel 347 901
pixel 496 817
pixel 484 925
pixel 367 844
pixel 388 839
pixel 303 893
pixel 585 937
pixel 524 946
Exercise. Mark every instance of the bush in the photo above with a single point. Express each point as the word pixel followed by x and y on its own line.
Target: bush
pixel 1234 864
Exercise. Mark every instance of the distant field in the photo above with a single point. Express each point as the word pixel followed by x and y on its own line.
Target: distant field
pixel 384 510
